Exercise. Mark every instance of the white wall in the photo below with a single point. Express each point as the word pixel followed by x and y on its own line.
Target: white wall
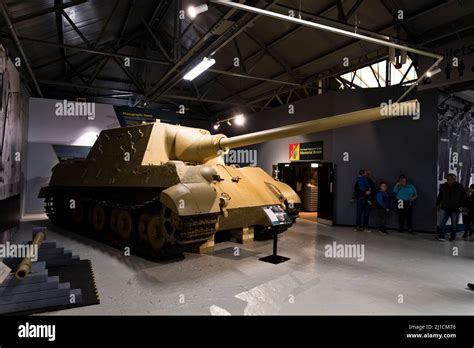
pixel 45 129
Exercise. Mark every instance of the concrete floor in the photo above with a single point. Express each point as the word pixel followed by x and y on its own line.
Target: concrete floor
pixel 421 270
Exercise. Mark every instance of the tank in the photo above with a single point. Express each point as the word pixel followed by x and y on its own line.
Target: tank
pixel 161 189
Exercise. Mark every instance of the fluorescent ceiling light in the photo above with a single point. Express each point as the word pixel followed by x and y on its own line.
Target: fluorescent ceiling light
pixel 239 120
pixel 193 11
pixel 433 72
pixel 199 69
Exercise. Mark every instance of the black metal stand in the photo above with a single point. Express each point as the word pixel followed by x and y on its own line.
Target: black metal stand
pixel 274 258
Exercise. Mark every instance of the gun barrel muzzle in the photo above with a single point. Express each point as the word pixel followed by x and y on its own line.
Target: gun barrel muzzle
pixel 25 266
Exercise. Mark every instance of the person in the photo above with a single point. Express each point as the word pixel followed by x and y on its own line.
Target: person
pixel 468 212
pixel 382 203
pixel 464 151
pixel 405 195
pixel 362 194
pixel 373 188
pixel 451 196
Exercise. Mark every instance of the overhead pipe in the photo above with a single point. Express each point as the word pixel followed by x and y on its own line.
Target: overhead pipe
pixel 438 58
pixel 18 45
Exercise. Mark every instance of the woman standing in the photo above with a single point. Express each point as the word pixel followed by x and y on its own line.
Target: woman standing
pixel 405 195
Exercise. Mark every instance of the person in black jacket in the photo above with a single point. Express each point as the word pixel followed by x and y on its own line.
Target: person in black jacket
pixel 468 212
pixel 373 187
pixel 450 199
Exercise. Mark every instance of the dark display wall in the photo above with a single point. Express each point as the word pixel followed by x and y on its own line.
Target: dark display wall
pixel 388 148
pixel 456 136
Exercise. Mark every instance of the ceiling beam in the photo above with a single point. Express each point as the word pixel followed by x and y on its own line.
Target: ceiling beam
pixel 110 89
pixel 353 9
pixel 402 23
pixel 320 77
pixel 16 40
pixel 76 29
pixel 106 24
pixel 261 52
pixel 332 51
pixel 131 76
pixel 272 53
pixel 148 60
pixel 93 51
pixel 156 88
pixel 60 31
pixel 233 31
pixel 46 11
pixel 341 16
pixel 239 55
pixel 157 41
pixel 138 84
pixel 406 73
pixel 447 30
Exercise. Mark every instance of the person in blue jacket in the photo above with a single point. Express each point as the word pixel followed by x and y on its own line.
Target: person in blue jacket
pixel 383 205
pixel 362 195
pixel 405 194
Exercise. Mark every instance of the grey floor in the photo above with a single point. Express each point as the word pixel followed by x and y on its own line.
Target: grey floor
pixel 401 274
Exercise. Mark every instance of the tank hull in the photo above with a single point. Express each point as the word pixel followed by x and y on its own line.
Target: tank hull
pixel 195 207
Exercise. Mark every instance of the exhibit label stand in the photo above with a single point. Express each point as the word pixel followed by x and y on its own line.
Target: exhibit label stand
pixel 279 220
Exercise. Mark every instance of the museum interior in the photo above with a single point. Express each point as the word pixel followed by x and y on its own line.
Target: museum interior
pixel 257 157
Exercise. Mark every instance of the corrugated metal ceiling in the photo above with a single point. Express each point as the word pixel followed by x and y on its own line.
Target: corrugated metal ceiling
pixel 270 49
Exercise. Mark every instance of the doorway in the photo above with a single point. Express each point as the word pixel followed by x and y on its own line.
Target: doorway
pixel 313 181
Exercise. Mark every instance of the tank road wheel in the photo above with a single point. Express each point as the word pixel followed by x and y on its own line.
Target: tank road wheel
pixel 113 220
pixel 170 221
pixel 79 213
pixel 156 234
pixel 98 218
pixel 143 222
pixel 124 225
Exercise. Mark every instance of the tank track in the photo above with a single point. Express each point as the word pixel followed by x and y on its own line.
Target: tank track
pixel 176 234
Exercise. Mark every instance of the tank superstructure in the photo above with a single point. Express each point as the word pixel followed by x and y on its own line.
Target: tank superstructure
pixel 165 188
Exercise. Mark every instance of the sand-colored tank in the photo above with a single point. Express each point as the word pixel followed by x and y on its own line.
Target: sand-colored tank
pixel 162 188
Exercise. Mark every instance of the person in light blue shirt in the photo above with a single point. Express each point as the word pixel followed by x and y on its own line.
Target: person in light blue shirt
pixel 405 194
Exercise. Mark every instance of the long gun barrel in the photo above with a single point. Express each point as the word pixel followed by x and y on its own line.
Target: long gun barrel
pixel 319 125
pixel 197 145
